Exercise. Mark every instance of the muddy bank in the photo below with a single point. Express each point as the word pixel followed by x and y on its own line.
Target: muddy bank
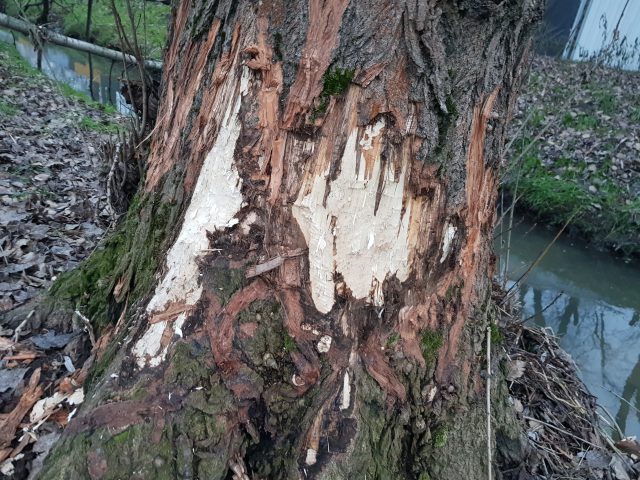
pixel 53 213
pixel 576 151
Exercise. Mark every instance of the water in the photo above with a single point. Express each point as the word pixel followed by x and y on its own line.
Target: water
pixel 597 318
pixel 95 76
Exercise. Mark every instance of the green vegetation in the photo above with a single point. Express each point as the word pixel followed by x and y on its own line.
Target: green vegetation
pixel 392 339
pixel 288 343
pixel 88 123
pixel 83 98
pixel 496 334
pixel 605 100
pixel 7 110
pixel 335 82
pixel 430 342
pixel 151 20
pixel 549 195
pixel 581 167
pixel 130 256
pixel 440 437
pixel 88 285
pixel 558 193
pixel 582 121
pixel 12 61
pixel 446 120
pixel 19 67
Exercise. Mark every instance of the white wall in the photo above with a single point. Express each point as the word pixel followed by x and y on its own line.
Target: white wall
pixel 589 32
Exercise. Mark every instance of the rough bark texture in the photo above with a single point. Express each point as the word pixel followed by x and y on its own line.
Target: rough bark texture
pixel 320 201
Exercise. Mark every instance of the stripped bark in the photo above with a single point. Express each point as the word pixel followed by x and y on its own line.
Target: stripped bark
pixel 331 172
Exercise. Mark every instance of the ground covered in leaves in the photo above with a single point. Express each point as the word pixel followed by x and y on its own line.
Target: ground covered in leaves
pixel 575 155
pixel 53 204
pixel 53 213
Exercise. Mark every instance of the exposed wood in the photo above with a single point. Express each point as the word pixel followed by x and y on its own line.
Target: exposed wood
pixel 30 396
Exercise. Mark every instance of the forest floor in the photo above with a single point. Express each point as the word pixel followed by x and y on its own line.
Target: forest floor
pixel 575 155
pixel 53 214
pixel 54 208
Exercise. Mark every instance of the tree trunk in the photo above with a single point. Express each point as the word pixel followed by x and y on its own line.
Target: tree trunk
pixel 43 18
pixel 87 23
pixel 301 288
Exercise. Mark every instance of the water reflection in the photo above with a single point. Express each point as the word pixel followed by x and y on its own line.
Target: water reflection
pixel 95 76
pixel 597 317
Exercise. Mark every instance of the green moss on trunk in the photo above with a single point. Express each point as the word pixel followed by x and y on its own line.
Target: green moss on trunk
pixel 127 258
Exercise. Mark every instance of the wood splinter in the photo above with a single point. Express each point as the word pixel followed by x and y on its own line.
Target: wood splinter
pixel 273 263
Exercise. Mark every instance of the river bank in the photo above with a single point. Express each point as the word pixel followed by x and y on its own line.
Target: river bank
pixel 54 208
pixel 69 18
pixel 575 155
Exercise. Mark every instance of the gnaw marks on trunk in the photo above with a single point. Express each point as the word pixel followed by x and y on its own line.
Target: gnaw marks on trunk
pixel 318 315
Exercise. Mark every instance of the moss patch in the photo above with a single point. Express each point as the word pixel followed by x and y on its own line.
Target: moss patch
pixel 430 342
pixel 143 459
pixel 335 82
pixel 440 437
pixel 129 256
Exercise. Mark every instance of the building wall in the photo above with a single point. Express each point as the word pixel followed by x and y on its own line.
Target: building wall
pixel 593 32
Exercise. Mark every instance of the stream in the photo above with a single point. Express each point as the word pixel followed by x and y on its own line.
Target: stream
pixel 97 77
pixel 597 317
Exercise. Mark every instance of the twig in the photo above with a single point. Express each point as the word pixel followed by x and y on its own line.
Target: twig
pixel 564 432
pixel 89 327
pixel 16 333
pixel 541 256
pixel 272 263
pixel 489 456
pixel 621 398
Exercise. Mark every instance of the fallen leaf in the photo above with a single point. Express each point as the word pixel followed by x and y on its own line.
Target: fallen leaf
pixel 11 378
pixel 29 397
pixel 51 340
pixel 515 369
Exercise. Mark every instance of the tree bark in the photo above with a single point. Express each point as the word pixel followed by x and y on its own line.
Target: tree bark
pixel 301 288
pixel 43 18
pixel 87 27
